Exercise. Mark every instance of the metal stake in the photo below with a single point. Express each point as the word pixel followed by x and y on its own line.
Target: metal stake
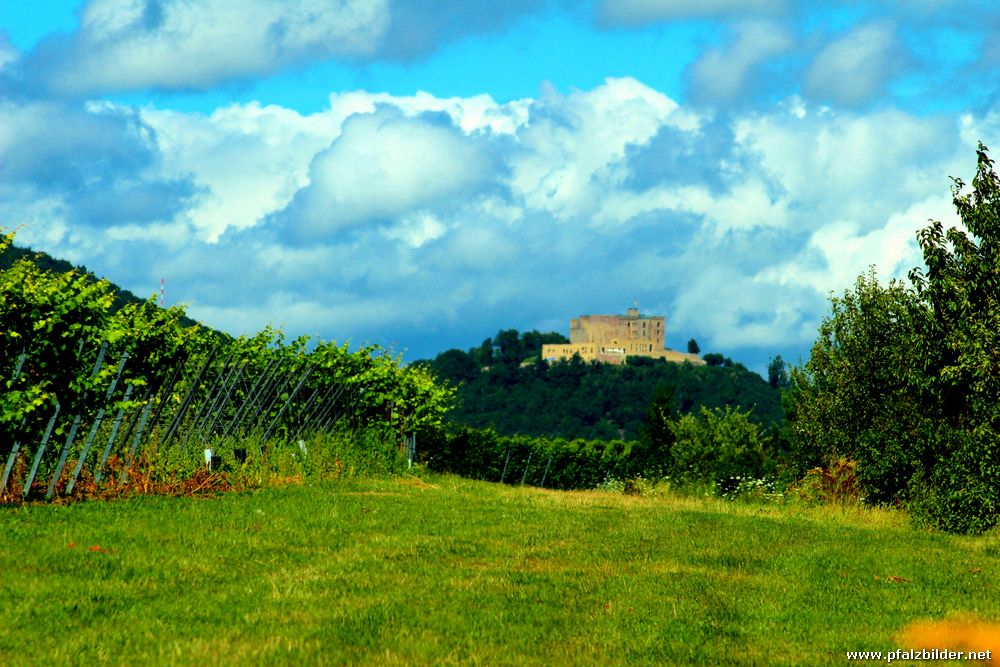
pixel 41 450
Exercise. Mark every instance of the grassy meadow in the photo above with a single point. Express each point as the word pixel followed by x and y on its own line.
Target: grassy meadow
pixel 443 570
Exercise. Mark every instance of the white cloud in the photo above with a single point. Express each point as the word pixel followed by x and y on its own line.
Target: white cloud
pixel 174 44
pixel 573 144
pixel 856 67
pixel 384 165
pixel 721 75
pixel 417 218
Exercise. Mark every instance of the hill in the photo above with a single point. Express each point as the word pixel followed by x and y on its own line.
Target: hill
pixel 504 384
pixel 47 262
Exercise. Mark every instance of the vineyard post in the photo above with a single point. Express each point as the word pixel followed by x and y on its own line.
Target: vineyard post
pixel 164 390
pixel 41 450
pixel 62 457
pixel 204 406
pixel 505 463
pixel 96 425
pixel 263 396
pixel 275 395
pixel 17 443
pixel 546 474
pixel 306 410
pixel 218 410
pixel 111 438
pixel 284 408
pixel 76 424
pixel 526 466
pixel 186 403
pixel 135 442
pixel 11 458
pixel 251 396
pixel 322 408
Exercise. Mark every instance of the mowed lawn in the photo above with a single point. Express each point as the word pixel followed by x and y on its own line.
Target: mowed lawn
pixel 443 570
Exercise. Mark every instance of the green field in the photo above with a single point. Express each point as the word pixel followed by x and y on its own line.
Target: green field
pixel 443 570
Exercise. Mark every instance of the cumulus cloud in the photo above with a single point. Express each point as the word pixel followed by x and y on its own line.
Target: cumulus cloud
pixel 72 173
pixel 128 45
pixel 174 44
pixel 431 222
pixel 385 165
pixel 721 75
pixel 854 68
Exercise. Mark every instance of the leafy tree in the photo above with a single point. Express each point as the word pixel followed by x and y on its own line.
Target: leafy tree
pixel 510 345
pixel 652 452
pixel 777 373
pixel 907 380
pixel 854 396
pixel 456 365
pixel 714 359
pixel 693 347
pixel 483 355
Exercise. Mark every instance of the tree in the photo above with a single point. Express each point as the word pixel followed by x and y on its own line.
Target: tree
pixel 455 365
pixel 693 347
pixel 906 380
pixel 854 396
pixel 651 455
pixel 483 355
pixel 510 345
pixel 777 373
pixel 714 359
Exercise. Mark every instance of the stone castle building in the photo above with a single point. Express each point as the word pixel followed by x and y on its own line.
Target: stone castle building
pixel 611 338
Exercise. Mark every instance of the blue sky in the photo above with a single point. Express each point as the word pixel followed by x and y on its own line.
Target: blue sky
pixel 422 173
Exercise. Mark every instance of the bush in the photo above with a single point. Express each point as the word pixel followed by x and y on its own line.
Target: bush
pixel 717 446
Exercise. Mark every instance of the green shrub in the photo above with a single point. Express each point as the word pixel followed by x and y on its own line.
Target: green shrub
pixel 717 446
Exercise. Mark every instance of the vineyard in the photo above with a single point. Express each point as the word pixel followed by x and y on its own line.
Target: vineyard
pixel 102 402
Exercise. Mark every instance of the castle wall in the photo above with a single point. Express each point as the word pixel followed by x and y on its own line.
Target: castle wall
pixel 612 338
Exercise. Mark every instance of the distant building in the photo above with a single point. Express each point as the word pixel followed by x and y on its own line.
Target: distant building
pixel 611 338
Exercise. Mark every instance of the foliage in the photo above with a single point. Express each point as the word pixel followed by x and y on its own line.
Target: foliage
pixel 855 398
pixel 693 347
pixel 717 446
pixel 574 399
pixel 777 373
pixel 714 359
pixel 837 483
pixel 906 381
pixel 11 254
pixel 657 435
pixel 555 463
pixel 66 356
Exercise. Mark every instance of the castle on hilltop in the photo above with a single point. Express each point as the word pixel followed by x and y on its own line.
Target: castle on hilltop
pixel 611 338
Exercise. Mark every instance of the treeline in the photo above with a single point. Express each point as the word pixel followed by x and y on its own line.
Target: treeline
pixel 503 384
pixel 720 450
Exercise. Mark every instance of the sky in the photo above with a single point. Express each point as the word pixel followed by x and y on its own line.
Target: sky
pixel 423 173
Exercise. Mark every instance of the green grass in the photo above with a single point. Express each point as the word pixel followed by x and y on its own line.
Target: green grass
pixel 451 571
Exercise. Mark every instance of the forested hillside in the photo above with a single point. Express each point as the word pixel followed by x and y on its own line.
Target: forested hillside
pixel 504 384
